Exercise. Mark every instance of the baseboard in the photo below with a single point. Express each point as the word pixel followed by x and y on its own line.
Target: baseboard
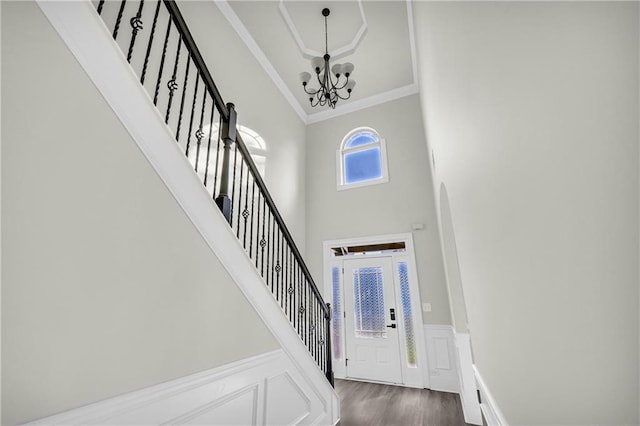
pixel 489 407
pixel 265 389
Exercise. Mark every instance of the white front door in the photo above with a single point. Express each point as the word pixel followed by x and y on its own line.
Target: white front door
pixel 372 343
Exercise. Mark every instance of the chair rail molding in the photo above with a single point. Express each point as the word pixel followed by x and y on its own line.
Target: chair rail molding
pixel 90 42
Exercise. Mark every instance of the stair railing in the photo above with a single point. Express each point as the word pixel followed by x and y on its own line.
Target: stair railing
pixel 161 50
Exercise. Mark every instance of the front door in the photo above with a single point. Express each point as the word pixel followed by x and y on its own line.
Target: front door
pixel 372 343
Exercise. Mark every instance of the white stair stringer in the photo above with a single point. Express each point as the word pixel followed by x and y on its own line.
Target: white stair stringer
pixel 88 39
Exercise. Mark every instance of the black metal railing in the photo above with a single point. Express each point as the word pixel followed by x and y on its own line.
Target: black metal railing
pixel 160 49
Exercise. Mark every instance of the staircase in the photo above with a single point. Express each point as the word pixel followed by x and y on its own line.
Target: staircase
pixel 144 62
pixel 160 49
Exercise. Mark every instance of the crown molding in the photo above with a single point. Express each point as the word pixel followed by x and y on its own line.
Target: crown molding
pixel 248 40
pixel 338 53
pixel 346 108
pixel 353 106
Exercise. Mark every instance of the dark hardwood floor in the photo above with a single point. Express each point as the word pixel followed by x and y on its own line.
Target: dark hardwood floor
pixel 374 404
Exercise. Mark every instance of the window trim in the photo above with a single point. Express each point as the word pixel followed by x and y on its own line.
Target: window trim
pixel 341 185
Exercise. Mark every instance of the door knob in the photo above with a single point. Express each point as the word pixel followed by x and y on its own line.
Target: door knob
pixel 391 326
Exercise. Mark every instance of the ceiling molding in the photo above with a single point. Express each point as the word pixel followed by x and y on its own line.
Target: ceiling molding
pixel 353 106
pixel 346 108
pixel 308 53
pixel 412 42
pixel 242 31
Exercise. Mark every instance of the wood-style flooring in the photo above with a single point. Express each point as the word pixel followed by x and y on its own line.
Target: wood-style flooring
pixel 374 404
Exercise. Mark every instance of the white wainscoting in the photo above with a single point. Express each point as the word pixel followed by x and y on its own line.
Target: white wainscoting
pixel 468 388
pixel 490 409
pixel 265 389
pixel 441 358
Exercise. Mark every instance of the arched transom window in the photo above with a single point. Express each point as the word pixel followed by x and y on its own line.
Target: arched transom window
pixel 362 159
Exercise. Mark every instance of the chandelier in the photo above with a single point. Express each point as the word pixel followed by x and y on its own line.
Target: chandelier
pixel 330 90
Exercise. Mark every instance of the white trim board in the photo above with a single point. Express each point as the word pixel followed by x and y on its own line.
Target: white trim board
pixel 90 42
pixel 489 407
pixel 264 389
pixel 468 387
pixel 342 109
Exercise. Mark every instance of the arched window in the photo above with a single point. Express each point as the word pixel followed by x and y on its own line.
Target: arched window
pixel 256 146
pixel 362 159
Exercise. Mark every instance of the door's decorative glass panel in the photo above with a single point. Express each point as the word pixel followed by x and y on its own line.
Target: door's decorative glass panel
pixel 336 313
pixel 368 303
pixel 410 338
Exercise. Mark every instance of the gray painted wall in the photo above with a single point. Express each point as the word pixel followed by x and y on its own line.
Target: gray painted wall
pixel 260 106
pixel 107 287
pixel 378 209
pixel 532 111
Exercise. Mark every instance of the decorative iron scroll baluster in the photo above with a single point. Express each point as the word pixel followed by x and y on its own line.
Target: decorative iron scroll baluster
pixel 184 94
pixel 164 55
pixel 193 109
pixel 199 132
pixel 172 84
pixel 136 25
pixel 270 246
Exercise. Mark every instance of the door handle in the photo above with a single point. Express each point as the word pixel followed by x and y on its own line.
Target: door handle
pixel 391 326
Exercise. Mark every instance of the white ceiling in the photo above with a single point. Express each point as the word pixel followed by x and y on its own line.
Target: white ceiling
pixel 376 36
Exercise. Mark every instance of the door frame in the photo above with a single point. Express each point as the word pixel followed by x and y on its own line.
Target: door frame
pixel 411 377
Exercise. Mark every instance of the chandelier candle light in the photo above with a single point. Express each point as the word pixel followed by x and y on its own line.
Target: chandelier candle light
pixel 329 91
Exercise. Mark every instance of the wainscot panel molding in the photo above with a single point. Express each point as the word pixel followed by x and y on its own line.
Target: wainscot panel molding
pixel 265 389
pixel 442 358
pixel 92 44
pixel 468 388
pixel 490 409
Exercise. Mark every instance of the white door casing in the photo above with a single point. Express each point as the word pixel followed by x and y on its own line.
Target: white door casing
pixel 372 343
pixel 414 374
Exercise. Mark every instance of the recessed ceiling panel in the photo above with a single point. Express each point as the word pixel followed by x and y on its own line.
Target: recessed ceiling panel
pixel 382 58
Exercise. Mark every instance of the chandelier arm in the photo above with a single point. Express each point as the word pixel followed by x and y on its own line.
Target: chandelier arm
pixel 343 84
pixel 344 99
pixel 313 92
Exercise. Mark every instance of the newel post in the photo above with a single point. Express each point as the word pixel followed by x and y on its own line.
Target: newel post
pixel 229 138
pixel 329 355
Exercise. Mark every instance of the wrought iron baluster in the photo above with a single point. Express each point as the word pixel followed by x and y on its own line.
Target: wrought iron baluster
pixel 271 238
pixel 206 166
pixel 215 173
pixel 245 212
pixel 172 84
pixel 118 19
pixel 184 94
pixel 253 198
pixel 263 242
pixel 255 218
pixel 240 195
pixel 100 6
pixel 199 132
pixel 136 25
pixel 162 58
pixel 153 31
pixel 233 195
pixel 193 109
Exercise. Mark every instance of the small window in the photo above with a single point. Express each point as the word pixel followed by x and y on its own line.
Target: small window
pixel 362 159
